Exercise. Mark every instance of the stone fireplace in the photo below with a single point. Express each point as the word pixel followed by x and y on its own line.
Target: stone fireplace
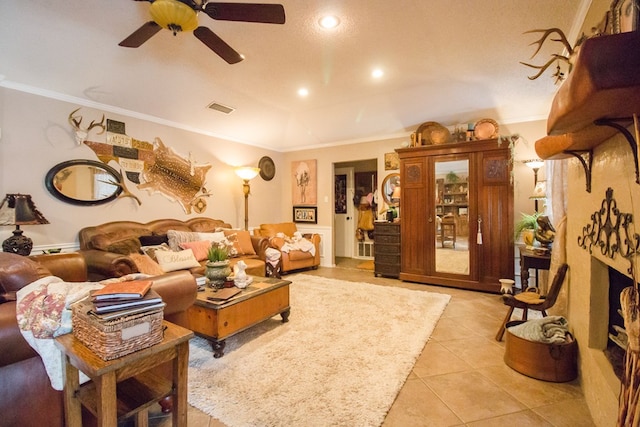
pixel 592 270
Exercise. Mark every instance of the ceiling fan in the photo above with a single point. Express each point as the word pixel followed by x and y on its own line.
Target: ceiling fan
pixel 181 15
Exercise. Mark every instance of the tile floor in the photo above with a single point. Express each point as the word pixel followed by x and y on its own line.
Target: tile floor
pixel 460 378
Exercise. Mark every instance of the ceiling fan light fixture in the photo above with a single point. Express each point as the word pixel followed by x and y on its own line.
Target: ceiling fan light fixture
pixel 174 15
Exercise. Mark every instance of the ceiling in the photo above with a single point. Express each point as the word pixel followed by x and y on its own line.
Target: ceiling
pixel 445 61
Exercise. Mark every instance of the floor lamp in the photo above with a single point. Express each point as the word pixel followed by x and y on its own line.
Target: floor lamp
pixel 246 173
pixel 535 165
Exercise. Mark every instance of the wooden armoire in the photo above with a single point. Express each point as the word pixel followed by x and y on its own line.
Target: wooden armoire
pixel 467 188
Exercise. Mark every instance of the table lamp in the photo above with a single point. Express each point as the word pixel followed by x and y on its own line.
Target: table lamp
pixel 19 209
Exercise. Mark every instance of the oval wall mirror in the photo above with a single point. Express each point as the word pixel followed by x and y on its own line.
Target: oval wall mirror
pixel 389 183
pixel 84 182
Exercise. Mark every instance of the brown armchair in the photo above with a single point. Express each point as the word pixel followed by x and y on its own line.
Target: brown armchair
pixel 290 259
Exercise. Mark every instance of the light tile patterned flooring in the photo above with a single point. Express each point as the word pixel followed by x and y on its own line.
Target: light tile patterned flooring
pixel 460 378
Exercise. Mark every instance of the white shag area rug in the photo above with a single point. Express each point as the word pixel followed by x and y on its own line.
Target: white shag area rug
pixel 340 360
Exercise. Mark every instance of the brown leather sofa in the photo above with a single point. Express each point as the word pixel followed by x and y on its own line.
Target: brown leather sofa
pixel 26 395
pixel 94 242
pixel 294 259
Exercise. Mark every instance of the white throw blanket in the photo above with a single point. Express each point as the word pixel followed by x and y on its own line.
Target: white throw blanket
pixel 297 243
pixel 43 312
pixel 550 329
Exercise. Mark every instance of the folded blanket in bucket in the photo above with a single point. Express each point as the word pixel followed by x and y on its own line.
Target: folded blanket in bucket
pixel 550 329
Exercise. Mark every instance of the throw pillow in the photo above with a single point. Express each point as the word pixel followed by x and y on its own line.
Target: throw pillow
pixel 200 248
pixel 125 247
pixel 176 237
pixel 172 261
pixel 151 250
pixel 102 241
pixel 146 265
pixel 213 237
pixel 241 240
pixel 156 239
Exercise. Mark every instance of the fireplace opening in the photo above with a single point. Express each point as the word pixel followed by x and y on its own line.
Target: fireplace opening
pixel 617 341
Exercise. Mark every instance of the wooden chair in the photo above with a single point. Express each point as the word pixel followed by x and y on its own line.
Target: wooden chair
pixel 532 300
pixel 448 230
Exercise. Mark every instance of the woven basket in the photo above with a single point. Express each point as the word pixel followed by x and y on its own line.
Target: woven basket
pixel 118 337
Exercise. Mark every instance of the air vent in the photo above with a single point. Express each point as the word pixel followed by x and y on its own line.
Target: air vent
pixel 222 108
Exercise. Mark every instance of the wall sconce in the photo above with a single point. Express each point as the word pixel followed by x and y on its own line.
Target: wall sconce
pixel 246 173
pixel 535 165
pixel 19 209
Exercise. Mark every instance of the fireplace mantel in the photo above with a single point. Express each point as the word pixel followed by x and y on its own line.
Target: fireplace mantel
pixel 604 84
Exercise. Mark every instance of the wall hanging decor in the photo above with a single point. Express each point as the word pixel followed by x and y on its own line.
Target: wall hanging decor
pixel 611 231
pixel 304 182
pixel 153 167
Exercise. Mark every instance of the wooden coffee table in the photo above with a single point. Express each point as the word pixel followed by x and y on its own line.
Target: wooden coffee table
pixel 218 320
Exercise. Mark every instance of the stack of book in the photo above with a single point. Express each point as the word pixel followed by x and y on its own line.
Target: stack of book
pixel 124 299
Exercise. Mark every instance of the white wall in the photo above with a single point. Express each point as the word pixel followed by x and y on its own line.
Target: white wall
pixel 35 136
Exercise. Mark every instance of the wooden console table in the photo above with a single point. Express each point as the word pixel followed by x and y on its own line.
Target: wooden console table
pixel 124 387
pixel 529 259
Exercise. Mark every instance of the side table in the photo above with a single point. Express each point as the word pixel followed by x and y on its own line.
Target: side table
pixel 530 259
pixel 124 387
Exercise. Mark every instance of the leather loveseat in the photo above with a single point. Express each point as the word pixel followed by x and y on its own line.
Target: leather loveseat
pixel 96 244
pixel 26 395
pixel 281 237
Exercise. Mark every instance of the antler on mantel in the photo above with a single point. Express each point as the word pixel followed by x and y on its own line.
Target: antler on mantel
pixel 568 58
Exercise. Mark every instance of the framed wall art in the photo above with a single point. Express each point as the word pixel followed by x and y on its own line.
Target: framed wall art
pixel 307 214
pixel 391 161
pixel 340 191
pixel 304 183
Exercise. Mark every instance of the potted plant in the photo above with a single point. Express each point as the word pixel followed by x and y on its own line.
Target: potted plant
pixel 218 268
pixel 452 177
pixel 526 227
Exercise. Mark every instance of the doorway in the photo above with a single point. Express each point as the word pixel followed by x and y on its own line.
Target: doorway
pixel 354 184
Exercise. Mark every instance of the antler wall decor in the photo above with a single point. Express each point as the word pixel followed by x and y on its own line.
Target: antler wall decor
pixel 82 134
pixel 568 59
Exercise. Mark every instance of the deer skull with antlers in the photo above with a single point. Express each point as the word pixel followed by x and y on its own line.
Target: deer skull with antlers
pixel 82 134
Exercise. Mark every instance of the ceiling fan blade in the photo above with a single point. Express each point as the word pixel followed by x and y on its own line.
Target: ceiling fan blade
pixel 216 44
pixel 246 12
pixel 141 35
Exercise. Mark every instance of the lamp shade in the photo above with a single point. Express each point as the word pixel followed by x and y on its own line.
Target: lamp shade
pixel 19 209
pixel 396 193
pixel 540 191
pixel 534 163
pixel 247 173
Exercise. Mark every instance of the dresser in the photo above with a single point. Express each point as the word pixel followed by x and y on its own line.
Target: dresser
pixel 386 249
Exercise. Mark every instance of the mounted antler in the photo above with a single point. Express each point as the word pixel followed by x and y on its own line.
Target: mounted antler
pixel 82 134
pixel 571 51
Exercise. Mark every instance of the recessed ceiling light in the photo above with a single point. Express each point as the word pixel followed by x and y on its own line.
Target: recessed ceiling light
pixel 329 22
pixel 377 73
pixel 303 91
